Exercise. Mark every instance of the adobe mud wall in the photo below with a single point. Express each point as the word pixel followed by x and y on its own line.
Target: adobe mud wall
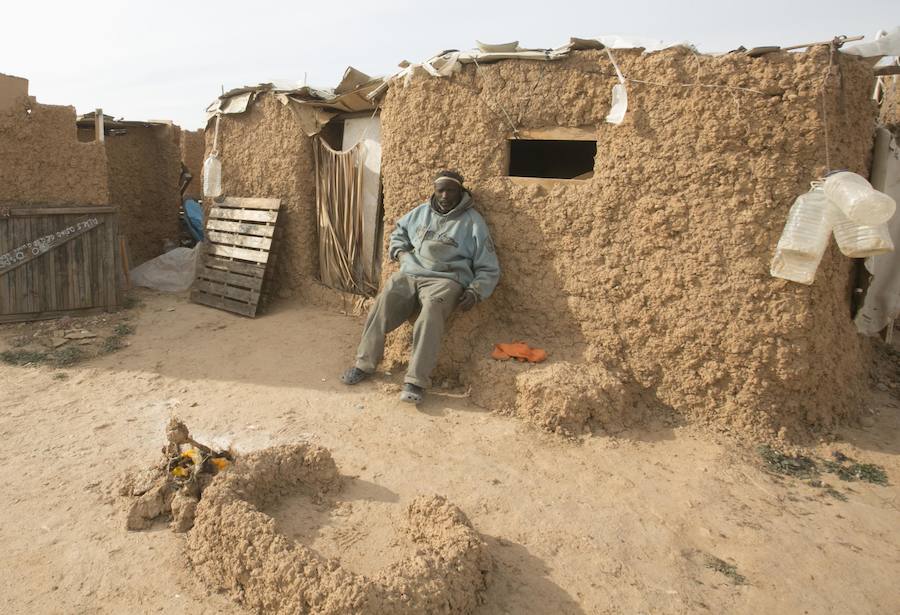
pixel 648 283
pixel 144 173
pixel 193 144
pixel 890 107
pixel 264 153
pixel 41 160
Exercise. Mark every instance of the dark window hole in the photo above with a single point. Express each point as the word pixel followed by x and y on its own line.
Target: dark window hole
pixel 551 158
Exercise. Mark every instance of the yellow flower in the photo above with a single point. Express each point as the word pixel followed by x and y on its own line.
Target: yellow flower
pixel 193 454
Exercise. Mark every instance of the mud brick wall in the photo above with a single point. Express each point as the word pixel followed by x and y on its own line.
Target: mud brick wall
pixel 264 153
pixel 649 282
pixel 41 160
pixel 193 144
pixel 144 173
pixel 890 106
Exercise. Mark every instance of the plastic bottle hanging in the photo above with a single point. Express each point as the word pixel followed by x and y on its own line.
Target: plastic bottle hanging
pixel 212 168
pixel 804 238
pixel 855 197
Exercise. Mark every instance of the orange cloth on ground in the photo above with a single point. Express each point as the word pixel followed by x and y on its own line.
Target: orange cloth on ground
pixel 518 350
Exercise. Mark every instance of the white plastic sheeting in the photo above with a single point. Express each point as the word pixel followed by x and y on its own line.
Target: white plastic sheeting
pixel 172 272
pixel 882 303
pixel 313 106
pixel 885 46
pixel 619 104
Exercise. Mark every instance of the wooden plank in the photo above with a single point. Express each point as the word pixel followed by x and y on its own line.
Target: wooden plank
pixel 560 133
pixel 246 309
pixel 71 275
pixel 243 241
pixel 87 287
pixel 110 294
pixel 61 211
pixel 223 290
pixel 883 71
pixel 114 289
pixel 225 277
pixel 99 133
pixel 25 317
pixel 240 227
pixel 122 255
pixel 48 273
pixel 62 279
pixel 251 202
pixel 21 230
pixel 250 215
pixel 5 246
pixel 250 269
pixel 29 295
pixel 241 253
pixel 22 254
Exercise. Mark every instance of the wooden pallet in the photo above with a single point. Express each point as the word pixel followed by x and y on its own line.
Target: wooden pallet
pixel 237 246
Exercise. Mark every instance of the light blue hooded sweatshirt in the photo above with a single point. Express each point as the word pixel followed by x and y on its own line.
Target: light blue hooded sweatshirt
pixel 456 245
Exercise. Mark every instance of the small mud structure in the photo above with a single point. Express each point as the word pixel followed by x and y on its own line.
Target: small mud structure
pixel 235 544
pixel 174 486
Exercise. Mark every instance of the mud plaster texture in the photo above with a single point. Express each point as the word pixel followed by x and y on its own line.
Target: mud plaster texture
pixel 144 174
pixel 264 153
pixel 655 271
pixel 41 160
pixel 890 106
pixel 235 546
pixel 193 144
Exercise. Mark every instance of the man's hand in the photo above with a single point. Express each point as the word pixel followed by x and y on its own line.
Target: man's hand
pixel 467 300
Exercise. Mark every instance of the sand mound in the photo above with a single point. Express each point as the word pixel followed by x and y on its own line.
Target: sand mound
pixel 236 546
pixel 569 398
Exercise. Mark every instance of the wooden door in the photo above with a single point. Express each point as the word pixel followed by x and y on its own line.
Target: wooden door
pixel 56 261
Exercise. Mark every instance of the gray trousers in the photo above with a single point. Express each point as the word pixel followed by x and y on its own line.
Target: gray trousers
pixel 398 300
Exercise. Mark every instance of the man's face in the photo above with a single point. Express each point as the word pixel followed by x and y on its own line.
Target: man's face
pixel 448 193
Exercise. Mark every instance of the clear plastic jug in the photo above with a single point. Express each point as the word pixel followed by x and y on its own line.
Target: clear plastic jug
pixel 212 176
pixel 794 267
pixel 859 240
pixel 808 225
pixel 804 238
pixel 857 200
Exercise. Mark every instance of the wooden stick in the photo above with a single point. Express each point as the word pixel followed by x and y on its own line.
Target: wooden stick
pixel 123 253
pixel 759 51
pixel 836 39
pixel 98 126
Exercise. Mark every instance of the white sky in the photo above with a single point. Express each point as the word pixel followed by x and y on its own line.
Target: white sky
pixel 168 60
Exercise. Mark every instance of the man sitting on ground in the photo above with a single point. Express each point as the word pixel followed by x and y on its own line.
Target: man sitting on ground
pixel 447 260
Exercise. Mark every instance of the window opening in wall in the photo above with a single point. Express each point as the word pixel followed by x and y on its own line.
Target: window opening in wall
pixel 551 158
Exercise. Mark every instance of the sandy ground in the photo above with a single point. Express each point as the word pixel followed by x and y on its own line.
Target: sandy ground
pixel 600 525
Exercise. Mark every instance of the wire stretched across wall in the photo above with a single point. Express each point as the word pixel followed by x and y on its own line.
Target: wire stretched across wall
pixel 339 177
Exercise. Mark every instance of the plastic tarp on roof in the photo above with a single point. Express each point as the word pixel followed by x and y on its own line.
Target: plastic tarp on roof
pixel 888 45
pixel 313 107
pixel 447 62
pixel 357 91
